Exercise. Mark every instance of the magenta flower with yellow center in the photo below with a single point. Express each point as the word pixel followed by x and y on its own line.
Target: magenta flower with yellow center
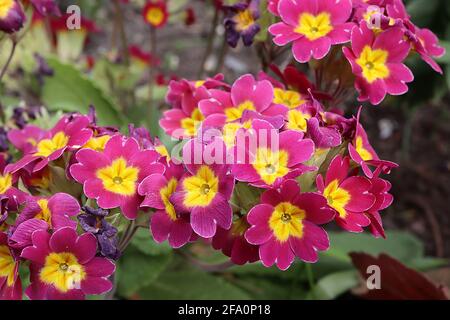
pixel 377 62
pixel 12 17
pixel 64 266
pixel 70 133
pixel 350 196
pixel 8 189
pixel 285 225
pixel 112 176
pixel 233 244
pixel 166 223
pixel 205 190
pixel 362 152
pixel 313 26
pixel 10 283
pixel 185 122
pixel 273 157
pixel 56 211
pixel 26 139
pixel 247 94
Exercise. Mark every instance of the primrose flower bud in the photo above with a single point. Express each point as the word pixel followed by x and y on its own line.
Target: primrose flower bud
pixel 12 17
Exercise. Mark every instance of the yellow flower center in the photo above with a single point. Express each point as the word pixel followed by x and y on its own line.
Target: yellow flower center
pixel 298 120
pixel 190 125
pixel 5 183
pixel 97 143
pixel 155 16
pixel 288 98
pixel 373 64
pixel 235 113
pixel 201 188
pixel 47 147
pixel 286 221
pixel 244 20
pixel 119 178
pixel 165 193
pixel 230 130
pixel 5 7
pixel 45 213
pixel 363 152
pixel 42 181
pixel 314 27
pixel 337 198
pixel 199 83
pixel 270 165
pixel 63 271
pixel 7 265
pixel 162 151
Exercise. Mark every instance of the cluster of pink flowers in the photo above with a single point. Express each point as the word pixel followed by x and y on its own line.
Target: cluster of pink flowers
pixel 377 36
pixel 265 163
pixel 278 148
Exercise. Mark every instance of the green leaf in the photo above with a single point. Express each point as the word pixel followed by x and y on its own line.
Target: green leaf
pixel 69 90
pixel 137 271
pixel 333 285
pixel 192 284
pixel 403 246
pixel 143 241
pixel 422 11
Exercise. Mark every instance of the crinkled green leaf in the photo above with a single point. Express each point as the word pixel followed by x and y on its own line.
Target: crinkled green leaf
pixel 71 91
pixel 136 270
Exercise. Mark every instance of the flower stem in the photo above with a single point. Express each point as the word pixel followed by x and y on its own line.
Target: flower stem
pixel 121 29
pixel 152 67
pixel 310 276
pixel 210 43
pixel 219 267
pixel 8 62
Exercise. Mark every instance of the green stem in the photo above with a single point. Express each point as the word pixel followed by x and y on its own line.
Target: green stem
pixel 151 74
pixel 122 33
pixel 8 62
pixel 210 43
pixel 310 276
pixel 219 267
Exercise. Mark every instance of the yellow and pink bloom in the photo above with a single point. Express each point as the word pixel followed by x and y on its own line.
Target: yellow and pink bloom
pixel 12 17
pixel 246 94
pixel 348 196
pixel 273 157
pixel 70 134
pixel 233 244
pixel 112 176
pixel 286 225
pixel 10 283
pixel 56 211
pixel 166 223
pixel 64 266
pixel 204 191
pixel 184 122
pixel 155 13
pixel 377 62
pixel 313 26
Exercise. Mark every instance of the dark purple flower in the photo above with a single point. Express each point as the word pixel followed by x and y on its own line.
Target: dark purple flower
pixel 3 209
pixel 3 140
pixel 42 68
pixel 93 221
pixel 142 135
pixel 241 21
